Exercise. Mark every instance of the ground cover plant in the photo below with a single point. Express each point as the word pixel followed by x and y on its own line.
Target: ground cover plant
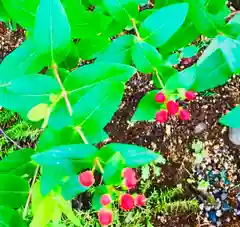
pixel 68 79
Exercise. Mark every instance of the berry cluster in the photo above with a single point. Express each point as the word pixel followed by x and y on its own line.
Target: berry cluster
pixel 127 201
pixel 172 107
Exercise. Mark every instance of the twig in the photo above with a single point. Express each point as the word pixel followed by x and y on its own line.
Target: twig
pixel 159 79
pixel 135 28
pixel 30 193
pixel 80 132
pixel 8 138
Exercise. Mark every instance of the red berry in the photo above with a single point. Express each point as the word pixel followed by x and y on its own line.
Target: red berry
pixel 127 202
pixel 184 115
pixel 86 178
pixel 105 200
pixel 172 107
pixel 105 217
pixel 162 116
pixel 160 97
pixel 130 182
pixel 190 95
pixel 128 172
pixel 140 200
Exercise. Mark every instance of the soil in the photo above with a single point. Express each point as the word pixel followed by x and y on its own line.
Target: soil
pixel 173 139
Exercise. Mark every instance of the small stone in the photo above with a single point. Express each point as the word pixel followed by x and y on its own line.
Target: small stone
pixel 224 196
pixel 200 128
pixel 228 219
pixel 201 206
pixel 234 135
pixel 219 223
pixel 219 213
pixel 209 167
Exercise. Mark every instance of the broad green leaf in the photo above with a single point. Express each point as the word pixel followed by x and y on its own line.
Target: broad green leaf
pixel 122 10
pixel 233 26
pixel 52 175
pixel 52 32
pixel 163 3
pixel 159 33
pixel 146 57
pixel 85 24
pixel 45 209
pixel 34 84
pixel 232 118
pixel 65 152
pixel 95 114
pixel 13 190
pixel 214 6
pixel 114 28
pixel 185 35
pixel 118 51
pixel 133 155
pixel 94 46
pixel 18 163
pixel 10 217
pixel 4 16
pixel 229 49
pixel 207 23
pixel 184 79
pixel 147 107
pixel 22 11
pixel 113 170
pixel 98 193
pixel 23 60
pixel 189 51
pixel 173 59
pixel 72 187
pixel 38 112
pixel 93 74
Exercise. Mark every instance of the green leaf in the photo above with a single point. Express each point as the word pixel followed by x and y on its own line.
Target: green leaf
pixel 23 12
pixel 118 51
pixel 39 112
pixel 233 26
pixel 18 163
pixel 23 60
pixel 122 10
pixel 173 59
pixel 71 188
pixel 133 155
pixel 207 23
pixel 113 170
pixel 146 57
pixel 231 119
pixel 184 79
pixel 189 51
pixel 10 217
pixel 4 17
pixel 94 46
pixel 95 114
pixel 93 74
pixel 52 175
pixel 185 35
pixel 214 6
pixel 158 34
pixel 34 84
pixel 147 107
pixel 65 152
pixel 13 191
pixel 98 193
pixel 45 209
pixel 85 24
pixel 48 35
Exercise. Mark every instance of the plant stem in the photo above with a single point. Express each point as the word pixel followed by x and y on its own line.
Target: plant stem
pixel 68 104
pixel 30 192
pixel 8 138
pixel 135 28
pixel 97 162
pixel 159 78
pixel 64 92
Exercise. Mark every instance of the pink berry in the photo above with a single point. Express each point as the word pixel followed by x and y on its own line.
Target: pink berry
pixel 130 182
pixel 190 95
pixel 172 107
pixel 105 217
pixel 162 116
pixel 140 200
pixel 160 97
pixel 127 202
pixel 105 200
pixel 86 178
pixel 184 115
pixel 127 172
